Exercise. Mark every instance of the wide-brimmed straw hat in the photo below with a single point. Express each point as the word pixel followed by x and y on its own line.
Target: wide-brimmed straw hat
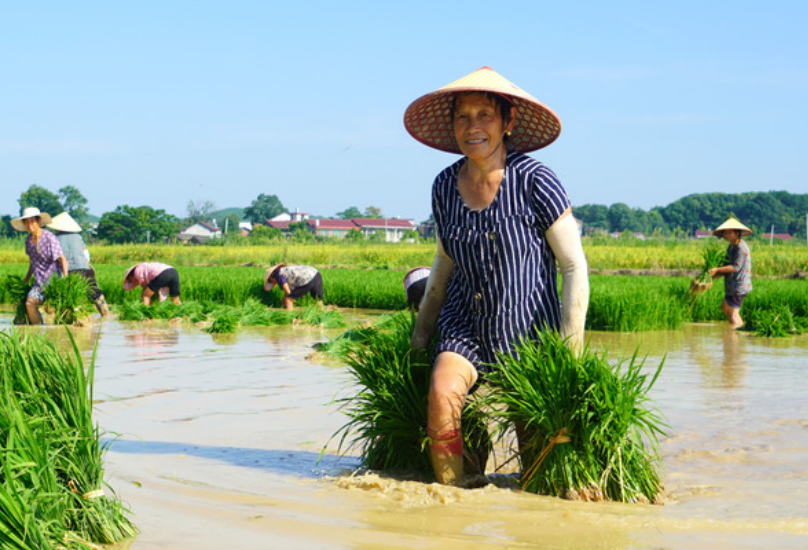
pixel 267 284
pixel 30 212
pixel 732 223
pixel 65 223
pixel 428 118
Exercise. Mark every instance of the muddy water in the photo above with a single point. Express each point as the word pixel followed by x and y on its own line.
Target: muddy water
pixel 219 439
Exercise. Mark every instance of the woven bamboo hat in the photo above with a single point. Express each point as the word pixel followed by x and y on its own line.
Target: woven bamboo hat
pixel 65 223
pixel 428 118
pixel 732 223
pixel 30 212
pixel 268 285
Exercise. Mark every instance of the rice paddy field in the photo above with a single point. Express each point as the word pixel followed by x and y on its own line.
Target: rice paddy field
pixel 227 439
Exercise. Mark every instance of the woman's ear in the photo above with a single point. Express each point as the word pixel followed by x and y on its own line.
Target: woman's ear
pixel 512 122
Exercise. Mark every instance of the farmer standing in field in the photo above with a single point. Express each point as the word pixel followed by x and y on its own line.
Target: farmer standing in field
pixel 503 221
pixel 154 278
pixel 737 272
pixel 296 281
pixel 45 257
pixel 68 232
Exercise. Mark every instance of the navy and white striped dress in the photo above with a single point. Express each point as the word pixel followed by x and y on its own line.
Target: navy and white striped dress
pixel 504 282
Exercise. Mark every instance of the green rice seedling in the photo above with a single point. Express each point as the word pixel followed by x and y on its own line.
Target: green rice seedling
pixel 713 255
pixel 319 316
pixel 17 291
pixel 224 323
pixel 67 298
pixel 47 411
pixel 776 322
pixel 589 432
pixel 255 313
pixel 387 415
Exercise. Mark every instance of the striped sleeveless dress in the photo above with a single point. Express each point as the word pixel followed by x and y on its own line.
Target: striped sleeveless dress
pixel 504 283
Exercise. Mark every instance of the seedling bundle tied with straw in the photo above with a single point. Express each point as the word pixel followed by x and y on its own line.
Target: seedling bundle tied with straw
pixel 588 430
pixel 713 256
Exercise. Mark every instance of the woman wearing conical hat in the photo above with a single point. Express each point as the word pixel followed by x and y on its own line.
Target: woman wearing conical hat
pixel 737 272
pixel 503 223
pixel 68 233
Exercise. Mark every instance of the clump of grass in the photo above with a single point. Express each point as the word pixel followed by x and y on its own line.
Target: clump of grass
pixel 51 483
pixel 225 323
pixel 776 322
pixel 387 415
pixel 590 433
pixel 319 316
pixel 17 290
pixel 67 298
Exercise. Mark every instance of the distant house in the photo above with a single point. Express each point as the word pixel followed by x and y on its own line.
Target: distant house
pixel 778 236
pixel 295 216
pixel 199 233
pixel 701 234
pixel 392 228
pixel 330 228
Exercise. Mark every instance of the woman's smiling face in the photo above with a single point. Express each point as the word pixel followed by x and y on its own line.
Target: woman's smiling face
pixel 478 125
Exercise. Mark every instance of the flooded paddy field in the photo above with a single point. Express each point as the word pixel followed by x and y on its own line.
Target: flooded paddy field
pixel 215 440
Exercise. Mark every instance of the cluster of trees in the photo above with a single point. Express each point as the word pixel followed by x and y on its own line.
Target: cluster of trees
pixel 759 211
pixel 140 224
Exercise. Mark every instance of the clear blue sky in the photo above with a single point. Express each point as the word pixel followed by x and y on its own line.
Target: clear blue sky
pixel 161 102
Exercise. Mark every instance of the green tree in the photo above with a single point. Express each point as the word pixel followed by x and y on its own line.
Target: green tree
pixel 354 235
pixel 263 233
pixel 6 229
pixel 264 208
pixel 199 211
pixel 373 212
pixel 231 223
pixel 39 197
pixel 128 224
pixel 74 203
pixel 348 213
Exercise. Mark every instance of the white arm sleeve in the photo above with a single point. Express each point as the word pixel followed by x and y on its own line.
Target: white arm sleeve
pixel 565 240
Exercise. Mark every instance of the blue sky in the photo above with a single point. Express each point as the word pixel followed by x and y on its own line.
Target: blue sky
pixel 162 102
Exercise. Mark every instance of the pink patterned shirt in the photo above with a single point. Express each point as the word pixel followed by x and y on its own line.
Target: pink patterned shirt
pixel 44 257
pixel 144 273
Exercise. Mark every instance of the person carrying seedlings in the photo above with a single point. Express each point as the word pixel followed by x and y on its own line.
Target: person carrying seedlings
pixel 503 221
pixel 68 232
pixel 296 281
pixel 45 257
pixel 154 278
pixel 415 285
pixel 737 272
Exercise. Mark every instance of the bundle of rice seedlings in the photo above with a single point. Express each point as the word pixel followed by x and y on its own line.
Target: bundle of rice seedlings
pixel 46 429
pixel 224 323
pixel 388 412
pixel 588 430
pixel 255 313
pixel 712 256
pixel 318 316
pixel 67 298
pixel 17 290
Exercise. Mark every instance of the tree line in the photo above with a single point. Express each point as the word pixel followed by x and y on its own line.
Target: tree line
pixel 140 224
pixel 702 211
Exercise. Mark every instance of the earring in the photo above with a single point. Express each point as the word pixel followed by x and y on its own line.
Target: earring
pixel 508 133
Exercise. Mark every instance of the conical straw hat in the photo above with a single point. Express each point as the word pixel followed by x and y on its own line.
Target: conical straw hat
pixel 64 222
pixel 428 118
pixel 732 223
pixel 267 273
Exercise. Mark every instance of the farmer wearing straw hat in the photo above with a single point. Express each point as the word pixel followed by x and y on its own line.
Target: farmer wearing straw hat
pixel 154 278
pixel 737 272
pixel 296 281
pixel 45 257
pixel 68 232
pixel 503 222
